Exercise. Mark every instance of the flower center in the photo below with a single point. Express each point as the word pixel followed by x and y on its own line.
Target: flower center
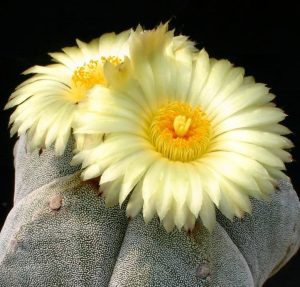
pixel 88 75
pixel 180 132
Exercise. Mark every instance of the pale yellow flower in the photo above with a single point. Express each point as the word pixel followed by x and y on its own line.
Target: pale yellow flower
pixel 47 101
pixel 185 134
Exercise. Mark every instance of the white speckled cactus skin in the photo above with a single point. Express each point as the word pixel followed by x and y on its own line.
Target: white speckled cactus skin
pixel 59 233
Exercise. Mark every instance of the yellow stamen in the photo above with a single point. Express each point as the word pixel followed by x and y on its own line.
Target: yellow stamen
pixel 111 59
pixel 88 75
pixel 180 132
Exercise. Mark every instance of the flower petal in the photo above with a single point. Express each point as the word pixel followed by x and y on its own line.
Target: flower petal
pixel 208 213
pixel 111 192
pixel 134 172
pixel 201 72
pixel 214 82
pixel 254 117
pixel 257 137
pixel 252 151
pixel 135 203
pixel 195 197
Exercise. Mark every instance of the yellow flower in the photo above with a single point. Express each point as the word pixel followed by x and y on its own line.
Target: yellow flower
pixel 47 101
pixel 185 134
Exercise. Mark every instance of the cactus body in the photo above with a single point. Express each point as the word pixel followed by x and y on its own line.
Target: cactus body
pixel 59 233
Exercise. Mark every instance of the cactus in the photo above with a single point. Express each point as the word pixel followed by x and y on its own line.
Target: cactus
pixel 59 233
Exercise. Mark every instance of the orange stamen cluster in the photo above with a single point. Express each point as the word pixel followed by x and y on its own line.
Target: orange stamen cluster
pixel 88 75
pixel 180 132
